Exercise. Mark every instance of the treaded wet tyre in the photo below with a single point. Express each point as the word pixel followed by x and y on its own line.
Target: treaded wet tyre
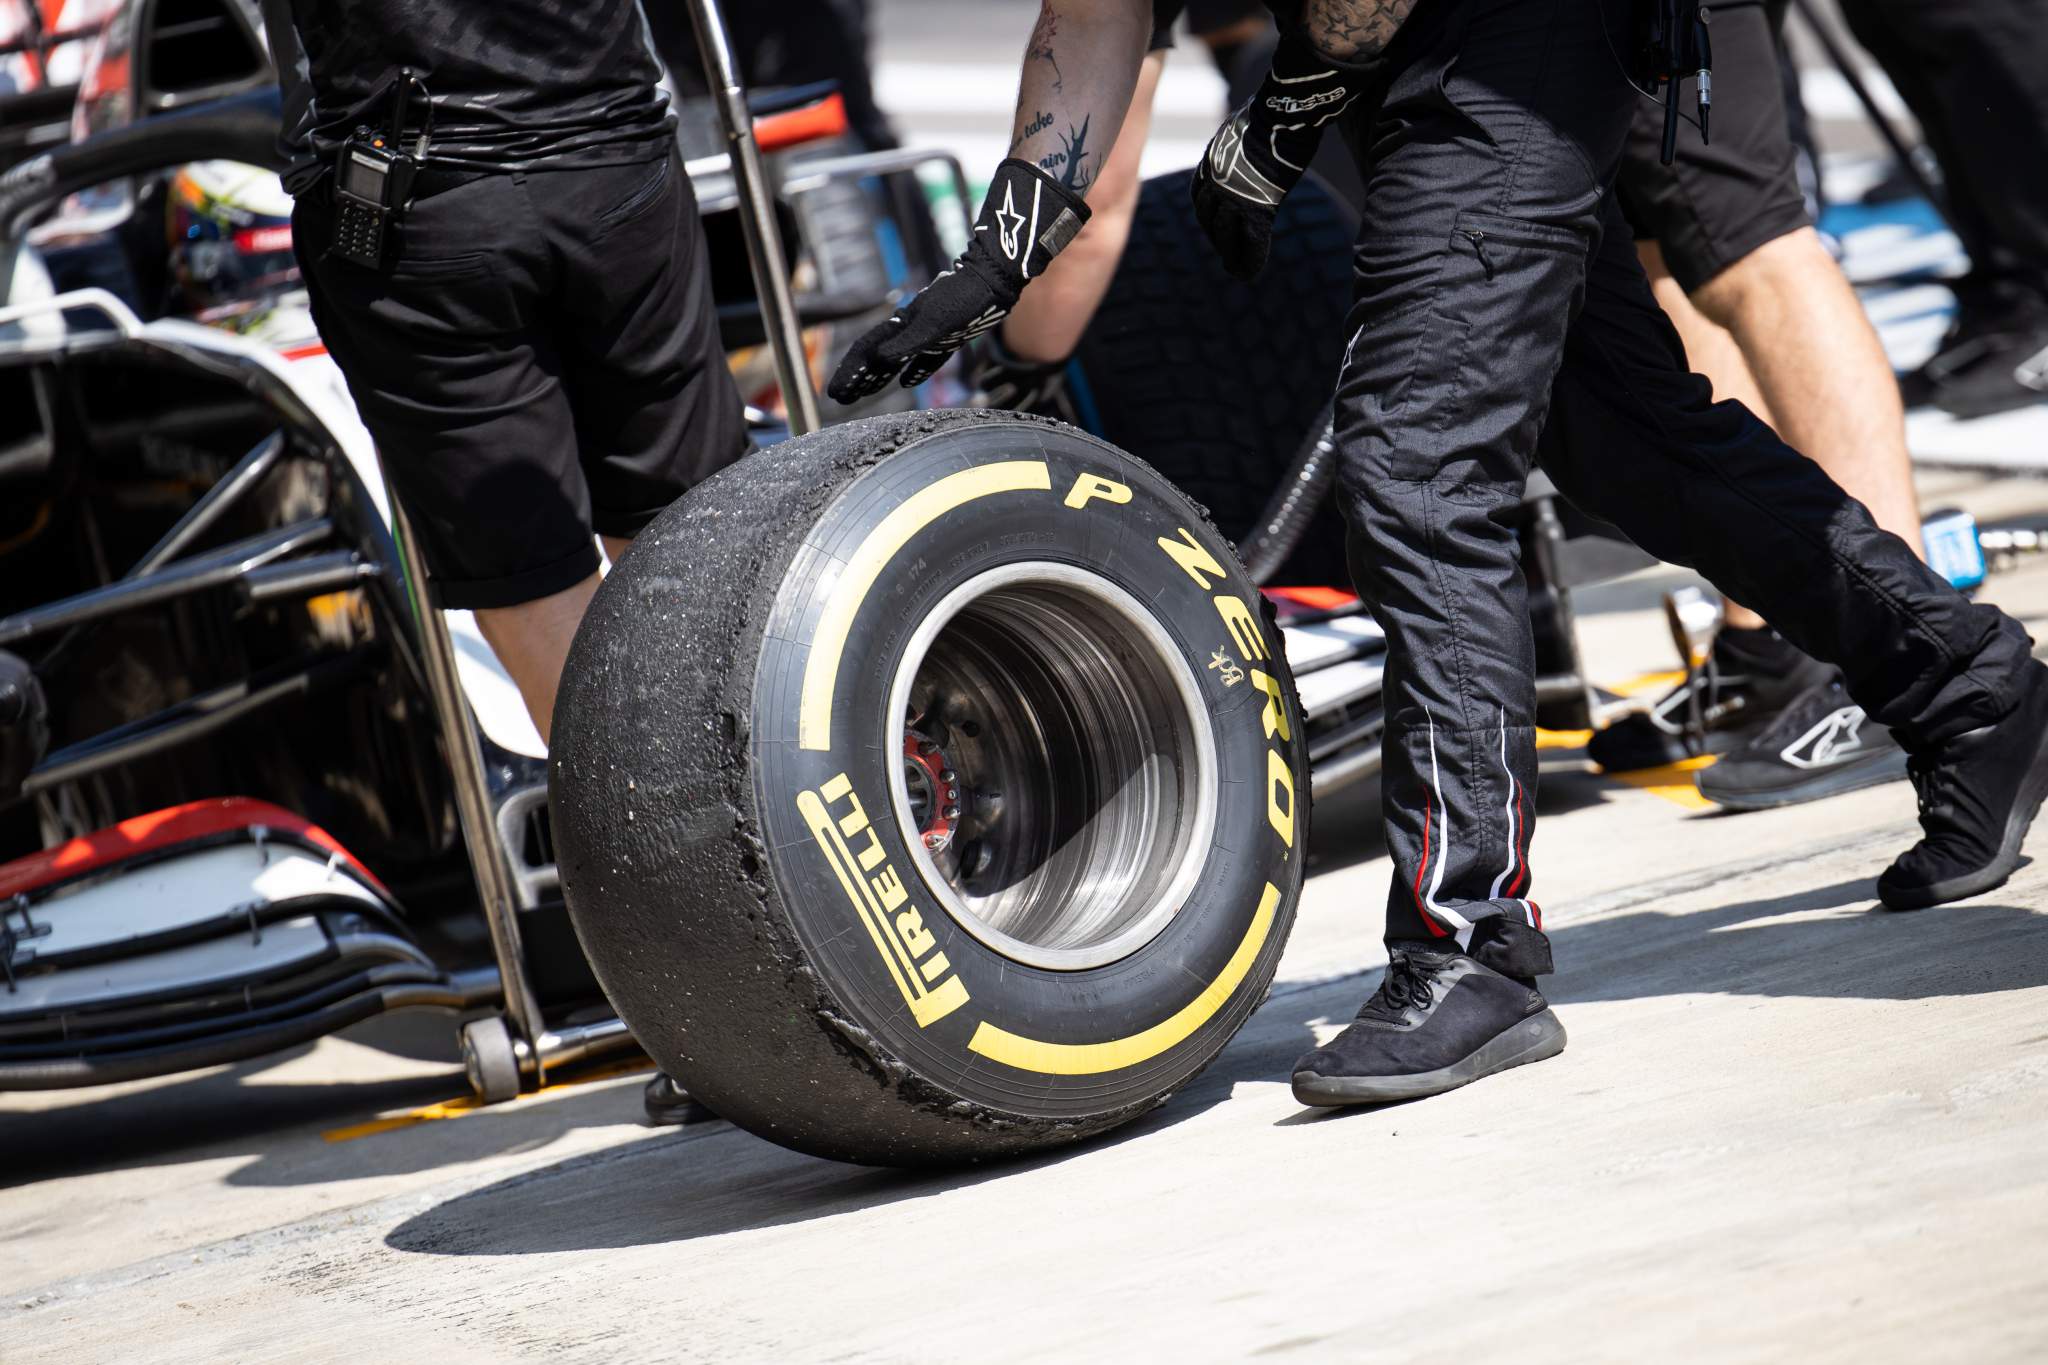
pixel 1215 381
pixel 931 789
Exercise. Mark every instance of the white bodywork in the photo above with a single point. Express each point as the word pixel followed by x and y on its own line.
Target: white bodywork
pixel 190 887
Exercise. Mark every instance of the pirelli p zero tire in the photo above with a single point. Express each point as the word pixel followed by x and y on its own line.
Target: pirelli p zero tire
pixel 931 789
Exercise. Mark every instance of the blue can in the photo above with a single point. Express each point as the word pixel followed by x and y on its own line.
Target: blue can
pixel 1953 550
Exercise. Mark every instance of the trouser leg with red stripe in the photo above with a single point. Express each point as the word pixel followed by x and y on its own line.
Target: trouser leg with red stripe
pixel 1500 310
pixel 1483 195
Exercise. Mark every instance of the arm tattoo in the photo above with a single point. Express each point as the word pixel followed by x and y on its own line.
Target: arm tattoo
pixel 1078 175
pixel 1346 29
pixel 1070 162
pixel 1040 47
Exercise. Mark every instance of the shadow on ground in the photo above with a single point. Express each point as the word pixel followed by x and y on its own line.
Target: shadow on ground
pixel 275 1115
pixel 234 1108
pixel 1825 942
pixel 681 1186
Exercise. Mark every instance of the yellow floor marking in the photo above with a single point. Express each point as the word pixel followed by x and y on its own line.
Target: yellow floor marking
pixel 1675 782
pixel 1648 682
pixel 457 1108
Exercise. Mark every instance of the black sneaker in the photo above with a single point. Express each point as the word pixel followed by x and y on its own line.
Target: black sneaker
pixel 1820 745
pixel 1751 676
pixel 1986 370
pixel 1978 794
pixel 1439 1020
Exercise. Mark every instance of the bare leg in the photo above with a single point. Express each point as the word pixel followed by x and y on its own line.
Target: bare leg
pixel 1806 359
pixel 532 641
pixel 1048 321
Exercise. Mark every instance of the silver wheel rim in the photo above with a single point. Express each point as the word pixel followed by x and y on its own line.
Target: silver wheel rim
pixel 1057 783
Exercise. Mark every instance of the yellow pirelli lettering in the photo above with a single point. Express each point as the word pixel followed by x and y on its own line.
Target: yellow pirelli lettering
pixel 1242 624
pixel 870 557
pixel 1274 717
pixel 1190 555
pixel 899 941
pixel 1280 796
pixel 1092 1059
pixel 1095 486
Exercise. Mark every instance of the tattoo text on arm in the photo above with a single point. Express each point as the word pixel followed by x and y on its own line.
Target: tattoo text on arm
pixel 1350 29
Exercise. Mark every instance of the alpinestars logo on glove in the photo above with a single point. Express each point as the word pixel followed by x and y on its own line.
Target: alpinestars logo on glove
pixel 1287 104
pixel 1228 165
pixel 1010 223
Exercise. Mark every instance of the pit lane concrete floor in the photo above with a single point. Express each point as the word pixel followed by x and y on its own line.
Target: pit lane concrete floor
pixel 1788 1126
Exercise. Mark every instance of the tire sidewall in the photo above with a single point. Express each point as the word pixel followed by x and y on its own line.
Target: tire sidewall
pixel 1262 788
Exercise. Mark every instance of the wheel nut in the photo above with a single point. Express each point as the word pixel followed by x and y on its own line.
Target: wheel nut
pixel 946 775
pixel 952 812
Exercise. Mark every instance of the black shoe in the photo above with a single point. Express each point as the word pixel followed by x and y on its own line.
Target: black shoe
pixel 1820 745
pixel 668 1104
pixel 1978 794
pixel 1439 1020
pixel 1984 369
pixel 1751 676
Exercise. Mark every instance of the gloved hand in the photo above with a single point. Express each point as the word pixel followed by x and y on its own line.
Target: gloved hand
pixel 1027 219
pixel 1261 151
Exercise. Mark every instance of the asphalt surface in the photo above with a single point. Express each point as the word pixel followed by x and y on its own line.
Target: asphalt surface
pixel 1788 1125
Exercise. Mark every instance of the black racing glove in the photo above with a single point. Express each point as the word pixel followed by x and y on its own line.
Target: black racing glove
pixel 1261 151
pixel 1026 220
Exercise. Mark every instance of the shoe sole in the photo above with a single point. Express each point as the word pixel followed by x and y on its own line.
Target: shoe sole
pixel 1536 1038
pixel 1994 873
pixel 1834 783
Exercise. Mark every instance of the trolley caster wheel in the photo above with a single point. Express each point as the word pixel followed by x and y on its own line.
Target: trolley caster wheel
pixel 488 1057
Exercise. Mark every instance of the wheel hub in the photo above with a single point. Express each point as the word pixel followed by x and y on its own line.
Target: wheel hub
pixel 936 796
pixel 1057 781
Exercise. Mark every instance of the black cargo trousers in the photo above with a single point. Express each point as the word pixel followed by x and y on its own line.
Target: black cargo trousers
pixel 1501 320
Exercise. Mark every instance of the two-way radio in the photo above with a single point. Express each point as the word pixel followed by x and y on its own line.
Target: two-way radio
pixel 373 178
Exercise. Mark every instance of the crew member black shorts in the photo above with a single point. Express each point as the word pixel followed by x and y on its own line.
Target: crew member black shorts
pixel 538 361
pixel 1718 202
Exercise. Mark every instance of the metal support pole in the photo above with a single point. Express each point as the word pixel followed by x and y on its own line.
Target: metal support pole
pixel 472 796
pixel 1893 138
pixel 757 218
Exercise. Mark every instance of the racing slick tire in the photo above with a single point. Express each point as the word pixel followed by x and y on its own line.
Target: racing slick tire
pixel 931 789
pixel 1219 383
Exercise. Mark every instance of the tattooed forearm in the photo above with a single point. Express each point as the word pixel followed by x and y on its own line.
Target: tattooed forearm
pixel 1040 48
pixel 1347 29
pixel 1079 69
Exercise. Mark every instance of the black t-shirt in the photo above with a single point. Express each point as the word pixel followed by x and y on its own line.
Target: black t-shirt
pixel 1164 15
pixel 516 84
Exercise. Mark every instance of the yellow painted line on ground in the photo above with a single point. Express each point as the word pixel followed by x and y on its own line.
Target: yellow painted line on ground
pixel 466 1104
pixel 1675 782
pixel 1648 682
